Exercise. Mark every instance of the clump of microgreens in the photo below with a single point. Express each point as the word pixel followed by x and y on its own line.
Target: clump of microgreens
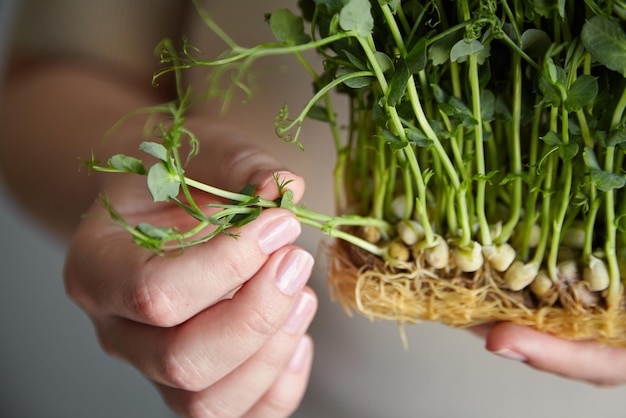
pixel 167 182
pixel 490 134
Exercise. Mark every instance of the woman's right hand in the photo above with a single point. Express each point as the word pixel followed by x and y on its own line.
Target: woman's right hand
pixel 220 328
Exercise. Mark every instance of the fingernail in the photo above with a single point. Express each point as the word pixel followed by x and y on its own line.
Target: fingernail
pixel 279 232
pixel 511 355
pixel 301 314
pixel 294 271
pixel 301 355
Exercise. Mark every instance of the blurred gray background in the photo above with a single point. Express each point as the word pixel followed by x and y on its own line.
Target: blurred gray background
pixel 50 363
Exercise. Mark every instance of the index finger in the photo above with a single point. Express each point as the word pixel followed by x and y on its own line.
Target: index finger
pixel 165 291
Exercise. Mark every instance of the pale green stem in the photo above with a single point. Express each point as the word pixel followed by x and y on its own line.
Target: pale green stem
pixel 481 182
pixel 516 151
pixel 367 45
pixel 566 187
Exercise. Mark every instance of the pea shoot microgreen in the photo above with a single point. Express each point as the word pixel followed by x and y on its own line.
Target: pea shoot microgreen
pixel 488 127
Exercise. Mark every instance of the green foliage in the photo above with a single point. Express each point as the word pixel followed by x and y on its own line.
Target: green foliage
pixel 461 108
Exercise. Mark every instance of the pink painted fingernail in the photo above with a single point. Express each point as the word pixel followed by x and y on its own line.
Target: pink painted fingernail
pixel 278 233
pixel 301 314
pixel 301 355
pixel 511 355
pixel 294 271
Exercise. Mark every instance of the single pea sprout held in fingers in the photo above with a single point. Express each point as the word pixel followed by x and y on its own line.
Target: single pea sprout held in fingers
pixel 481 176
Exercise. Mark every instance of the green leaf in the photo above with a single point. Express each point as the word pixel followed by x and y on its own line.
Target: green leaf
pixel 356 15
pixel 162 184
pixel 414 62
pixel 418 138
pixel 288 28
pixel 462 50
pixel 156 232
pixel 439 52
pixel 487 105
pixel 155 149
pixel 548 8
pixel 358 63
pixel 385 63
pixel 606 42
pixel 397 85
pixel 582 92
pixel 551 91
pixel 606 181
pixel 241 219
pixel 552 138
pixel 356 82
pixel 392 140
pixel 319 113
pixel 393 4
pixel 591 161
pixel 286 200
pixel 127 164
pixel 332 6
pixel 535 42
pixel 616 137
pixel 568 151
pixel 416 58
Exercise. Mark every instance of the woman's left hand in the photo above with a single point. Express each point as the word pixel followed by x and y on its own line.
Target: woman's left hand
pixel 587 361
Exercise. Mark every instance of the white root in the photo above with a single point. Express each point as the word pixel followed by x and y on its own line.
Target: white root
pixel 468 259
pixel 596 274
pixel 500 257
pixel 520 275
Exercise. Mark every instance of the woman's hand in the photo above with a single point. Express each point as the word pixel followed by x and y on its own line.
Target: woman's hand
pixel 220 328
pixel 579 360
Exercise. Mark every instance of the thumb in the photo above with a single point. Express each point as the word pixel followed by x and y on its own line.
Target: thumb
pixel 229 160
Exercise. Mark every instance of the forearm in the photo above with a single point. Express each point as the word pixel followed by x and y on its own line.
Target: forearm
pixel 53 116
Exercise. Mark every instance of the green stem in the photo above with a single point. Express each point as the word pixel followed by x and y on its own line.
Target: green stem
pixel 515 151
pixel 323 92
pixel 614 293
pixel 566 187
pixel 481 181
pixel 422 210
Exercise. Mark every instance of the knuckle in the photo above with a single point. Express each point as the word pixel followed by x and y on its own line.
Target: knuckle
pixel 181 372
pixel 262 320
pixel 233 266
pixel 153 305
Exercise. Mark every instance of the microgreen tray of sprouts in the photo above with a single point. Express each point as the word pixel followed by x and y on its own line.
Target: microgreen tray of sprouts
pixel 482 174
